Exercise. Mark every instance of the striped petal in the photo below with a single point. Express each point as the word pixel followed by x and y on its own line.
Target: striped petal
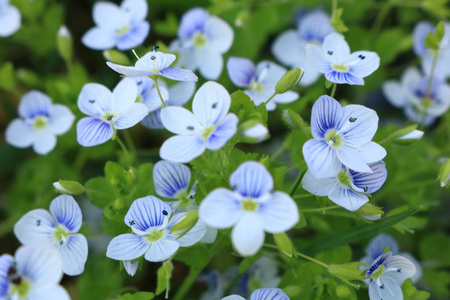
pixel 358 124
pixel 127 247
pixel 162 250
pixel 74 253
pixel 211 103
pixel 269 294
pixel 326 114
pixel 321 159
pixel 225 131
pixel 34 103
pixel 170 178
pixel 371 182
pixel 145 213
pixel 35 227
pixel 178 74
pixel 347 198
pixel 251 179
pixel 6 262
pixel 182 148
pixel 67 212
pixel 93 132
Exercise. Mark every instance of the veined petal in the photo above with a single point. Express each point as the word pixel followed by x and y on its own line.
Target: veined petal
pixel 60 119
pixel 210 64
pixel 220 209
pixel 319 186
pixel 371 152
pixel 336 47
pixel 194 235
pixel 93 131
pixel 95 99
pixel 162 250
pixel 181 92
pixel 399 268
pixel 34 103
pixel 394 93
pixel 391 289
pixel 343 78
pixel 225 131
pixel 349 157
pixel 130 71
pixel 371 182
pixel 318 58
pixel 419 272
pixel 251 179
pixel 44 141
pixel 6 262
pixel 124 95
pixel 248 234
pixel 182 148
pixel 137 8
pixel 131 268
pixel 99 38
pixel 127 247
pixel 378 244
pixel 321 159
pixel 233 297
pixel 287 47
pixel 147 212
pixel 19 134
pixel 107 15
pixel 363 63
pixel 192 21
pixel 67 212
pixel 315 26
pixel 133 115
pixel 241 71
pixel 153 121
pixel 74 253
pixel 152 101
pixel 326 114
pixel 170 178
pixel 35 227
pixel 347 198
pixel 280 213
pixel 211 103
pixel 154 61
pixel 178 74
pixel 219 33
pixel 358 124
pixel 47 292
pixel 373 292
pixel 179 120
pixel 269 294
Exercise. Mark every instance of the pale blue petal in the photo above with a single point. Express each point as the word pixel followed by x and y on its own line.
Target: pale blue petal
pixel 287 97
pixel 347 198
pixel 391 289
pixel 124 95
pixel 194 235
pixel 326 114
pixel 74 253
pixel 147 212
pixel 127 247
pixel 251 179
pixel 95 100
pixel 210 64
pixel 315 26
pixel 378 244
pixel 233 297
pixel 219 33
pixel 60 119
pixel 67 212
pixel 131 268
pixel 130 71
pixel 152 99
pixel 321 159
pixel 377 263
pixel 210 235
pixel 371 182
pixel 99 38
pixel 153 121
pixel 10 20
pixel 137 8
pixel 220 209
pixel 318 58
pixel 93 132
pixel 155 61
pixel 268 74
pixel 193 20
pixel 371 152
pixel 363 63
pixel 6 262
pixel 34 103
pixel 358 124
pixel 319 186
pixel 280 213
pixel 44 141
pixel 419 272
pixel 211 103
pixel 179 120
pixel 373 292
pixel 350 157
pixel 241 71
pixel 19 134
pixel 336 48
pixel 170 179
pixel 47 292
pixel 343 78
pixel 133 115
pixel 395 93
pixel 107 15
pixel 269 294
pixel 248 234
pixel 399 268
pixel 180 93
pixel 182 148
pixel 35 227
pixel 178 74
pixel 287 47
pixel 225 131
pixel 311 74
pixel 420 32
pixel 162 250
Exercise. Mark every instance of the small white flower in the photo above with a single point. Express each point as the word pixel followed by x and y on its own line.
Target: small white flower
pixel 413 135
pixel 10 19
pixel 258 132
pixel 130 267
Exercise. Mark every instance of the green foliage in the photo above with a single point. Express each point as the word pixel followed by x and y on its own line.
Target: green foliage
pixel 411 293
pixel 336 21
pixel 164 274
pixel 433 40
pixel 7 76
pixel 137 296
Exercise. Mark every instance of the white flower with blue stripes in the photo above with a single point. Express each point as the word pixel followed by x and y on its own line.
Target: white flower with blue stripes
pixel 340 66
pixel 33 273
pixel 263 294
pixel 386 276
pixel 57 229
pixel 251 208
pixel 348 189
pixel 39 123
pixel 121 26
pixel 210 125
pixel 10 19
pixel 259 81
pixel 151 221
pixel 341 136
pixel 107 111
pixel 289 47
pixel 202 40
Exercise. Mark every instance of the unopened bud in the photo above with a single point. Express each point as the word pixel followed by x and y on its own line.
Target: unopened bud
pixel 68 187
pixel 343 292
pixel 131 267
pixel 402 132
pixel 284 244
pixel 409 138
pixel 64 43
pixel 292 119
pixel 370 212
pixel 444 174
pixel 182 227
pixel 289 80
pixel 254 132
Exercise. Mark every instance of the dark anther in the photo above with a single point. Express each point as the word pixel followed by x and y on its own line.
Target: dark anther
pixel 109 118
pixel 154 48
pixel 333 139
pixel 361 56
pixel 268 66
pixel 190 128
pixel 38 223
pixel 131 222
pixel 13 276
pixel 214 105
pixel 153 57
pixel 382 286
pixel 139 83
pixel 352 119
pixel 330 52
pixel 192 196
pixel 92 101
pixel 366 189
pixel 399 270
pixel 165 212
pixel 61 242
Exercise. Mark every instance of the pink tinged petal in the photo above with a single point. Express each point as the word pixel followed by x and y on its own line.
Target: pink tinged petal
pixel 358 124
pixel 211 103
pixel 326 114
pixel 124 95
pixel 95 100
pixel 319 186
pixel 131 268
pixel 45 141
pixel 399 268
pixel 107 15
pixel 394 93
pixel 181 92
pixel 178 74
pixel 6 262
pixel 147 212
pixel 127 247
pixel 153 61
pixel 194 235
pixel 288 46
pixel 321 159
pixel 420 32
pixel 35 227
pixel 371 182
pixel 10 20
pixel 220 209
pixel 19 134
pixel 134 37
pixel 280 213
pixel 182 148
pixel 210 64
pixel 241 71
pixel 371 152
pixel 93 132
pixel 225 131
pixel 161 250
pixel 233 297
pixel 130 117
pixel 49 292
pixel 391 289
pixel 219 33
pixel 130 71
pixel 138 9
pixel 347 198
pixel 269 294
pixel 363 63
pixel 251 179
pixel 34 103
pixel 170 178
pixel 67 212
pixel 180 121
pixel 318 58
pixel 248 234
pixel 350 157
pixel 336 48
pixel 74 253
pixel 60 119
pixel 99 38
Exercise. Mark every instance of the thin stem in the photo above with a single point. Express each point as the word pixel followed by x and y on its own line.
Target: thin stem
pixel 159 92
pixel 124 149
pixel 334 7
pixel 270 98
pixel 295 166
pixel 278 152
pixel 333 91
pixel 319 209
pixel 303 196
pixel 380 17
pixel 297 184
pixel 301 255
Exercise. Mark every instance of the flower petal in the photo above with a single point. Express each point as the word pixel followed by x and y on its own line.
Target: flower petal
pixel 220 209
pixel 326 114
pixel 93 132
pixel 225 131
pixel 336 47
pixel 182 148
pixel 269 294
pixel 129 71
pixel 347 198
pixel 211 103
pixel 363 63
pixel 99 38
pixel 318 58
pixel 358 124
pixel 248 234
pixel 194 235
pixel 178 74
pixel 95 99
pixel 350 157
pixel 378 244
pixel 131 268
pixel 19 134
pixel 371 152
pixel 219 33
pixel 45 141
pixel 181 92
pixel 107 14
pixel 127 247
pixel 153 121
pixel 251 179
pixel 60 119
pixel 394 93
pixel 192 21
pixel 321 159
pixel 74 253
pixel 399 268
pixel 35 227
pixel 6 262
pixel 145 213
pixel 241 71
pixel 420 32
pixel 162 250
pixel 210 64
pixel 233 297
pixel 319 186
pixel 67 212
pixel 138 9
pixel 343 78
pixel 34 103
pixel 133 115
pixel 287 47
pixel 373 292
pixel 180 121
pixel 371 182
pixel 280 213
pixel 10 21
pixel 391 290
pixel 47 292
pixel 155 61
pixel 315 26
pixel 124 95
pixel 170 179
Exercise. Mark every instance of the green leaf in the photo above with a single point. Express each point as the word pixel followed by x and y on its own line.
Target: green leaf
pixel 164 274
pixel 196 256
pixel 349 271
pixel 100 191
pixel 137 296
pixel 7 76
pixel 433 40
pixel 337 22
pixel 168 27
pixel 411 293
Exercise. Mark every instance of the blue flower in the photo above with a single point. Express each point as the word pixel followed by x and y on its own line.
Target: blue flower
pixel 151 221
pixel 341 136
pixel 251 208
pixel 210 125
pixel 289 47
pixel 57 229
pixel 155 63
pixel 386 275
pixel 39 124
pixel 121 26
pixel 34 273
pixel 339 65
pixel 10 19
pixel 263 294
pixel 107 111
pixel 202 40
pixel 260 81
pixel 410 94
pixel 349 188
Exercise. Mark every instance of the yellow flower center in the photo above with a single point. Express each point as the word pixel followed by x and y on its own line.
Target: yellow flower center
pixel 40 122
pixel 249 205
pixel 340 67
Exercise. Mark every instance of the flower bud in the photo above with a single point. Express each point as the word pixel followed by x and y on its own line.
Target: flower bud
pixel 370 212
pixel 131 267
pixel 188 221
pixel 289 80
pixel 343 292
pixel 292 119
pixel 284 244
pixel 409 138
pixel 444 173
pixel 402 132
pixel 254 131
pixel 68 187
pixel 64 43
pixel 347 271
pixel 116 57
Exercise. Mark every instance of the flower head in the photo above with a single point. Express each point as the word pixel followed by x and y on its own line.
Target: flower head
pixel 341 136
pixel 121 26
pixel 10 19
pixel 57 229
pixel 348 188
pixel 263 294
pixel 151 221
pixel 210 125
pixel 33 273
pixel 251 208
pixel 39 124
pixel 202 40
pixel 107 111
pixel 260 81
pixel 339 65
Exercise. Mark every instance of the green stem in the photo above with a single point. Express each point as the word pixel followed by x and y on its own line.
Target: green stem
pixel 295 166
pixel 334 7
pixel 159 92
pixel 333 91
pixel 124 149
pixel 270 98
pixel 301 255
pixel 278 152
pixel 319 209
pixel 297 184
pixel 380 17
